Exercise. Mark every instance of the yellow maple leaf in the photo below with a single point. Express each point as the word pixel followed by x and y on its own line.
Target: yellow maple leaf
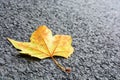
pixel 43 44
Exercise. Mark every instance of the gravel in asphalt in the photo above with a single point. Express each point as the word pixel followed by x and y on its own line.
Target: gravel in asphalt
pixel 93 24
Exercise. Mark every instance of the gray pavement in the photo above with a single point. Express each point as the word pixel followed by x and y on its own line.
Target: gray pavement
pixel 93 24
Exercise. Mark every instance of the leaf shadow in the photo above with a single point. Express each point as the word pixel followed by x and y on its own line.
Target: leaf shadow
pixel 59 57
pixel 31 58
pixel 28 57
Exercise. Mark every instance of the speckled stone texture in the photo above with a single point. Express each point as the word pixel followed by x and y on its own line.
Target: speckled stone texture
pixel 93 24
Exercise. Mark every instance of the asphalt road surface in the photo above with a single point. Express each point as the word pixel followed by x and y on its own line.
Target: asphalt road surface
pixel 93 24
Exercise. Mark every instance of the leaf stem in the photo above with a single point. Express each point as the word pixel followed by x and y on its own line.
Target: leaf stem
pixel 68 70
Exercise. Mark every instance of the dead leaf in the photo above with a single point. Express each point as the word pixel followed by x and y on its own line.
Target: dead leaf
pixel 43 44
